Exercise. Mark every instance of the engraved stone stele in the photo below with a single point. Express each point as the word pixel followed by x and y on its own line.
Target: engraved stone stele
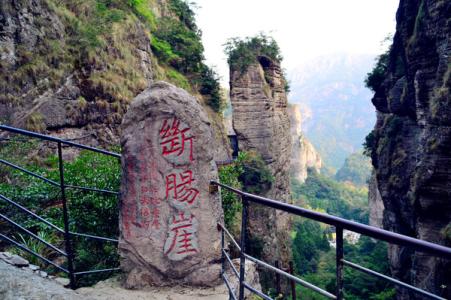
pixel 168 216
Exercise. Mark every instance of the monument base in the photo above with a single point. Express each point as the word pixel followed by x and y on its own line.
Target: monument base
pixel 138 278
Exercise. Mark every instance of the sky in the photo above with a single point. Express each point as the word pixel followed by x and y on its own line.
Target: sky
pixel 304 29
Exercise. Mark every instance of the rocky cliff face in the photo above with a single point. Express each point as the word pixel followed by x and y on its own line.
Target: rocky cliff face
pixel 72 68
pixel 375 203
pixel 261 122
pixel 55 76
pixel 411 141
pixel 303 154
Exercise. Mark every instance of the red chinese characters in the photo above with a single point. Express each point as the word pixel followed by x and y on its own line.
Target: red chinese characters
pixel 177 146
pixel 175 141
pixel 179 187
pixel 182 240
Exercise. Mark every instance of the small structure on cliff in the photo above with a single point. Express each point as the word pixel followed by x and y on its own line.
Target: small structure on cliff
pixel 168 216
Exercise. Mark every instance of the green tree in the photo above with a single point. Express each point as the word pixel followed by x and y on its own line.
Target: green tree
pixel 241 53
pixel 356 169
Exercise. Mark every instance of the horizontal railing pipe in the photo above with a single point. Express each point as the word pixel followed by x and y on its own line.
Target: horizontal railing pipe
pixel 27 211
pixel 61 184
pixel 230 236
pixel 367 230
pixel 231 263
pixel 5 238
pixel 96 271
pixel 229 286
pixel 29 172
pixel 288 275
pixel 58 140
pixel 68 186
pixel 392 280
pixel 32 234
pixel 89 236
pixel 257 292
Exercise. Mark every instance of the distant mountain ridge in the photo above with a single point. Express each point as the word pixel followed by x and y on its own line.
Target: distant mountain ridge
pixel 336 107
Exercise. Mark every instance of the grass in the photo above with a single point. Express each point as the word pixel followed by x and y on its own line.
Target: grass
pixel 35 122
pixel 178 79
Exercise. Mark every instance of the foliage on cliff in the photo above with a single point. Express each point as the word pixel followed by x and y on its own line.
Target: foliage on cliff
pixel 356 169
pixel 336 198
pixel 249 173
pixel 375 78
pixel 241 53
pixel 315 263
pixel 89 212
pixel 104 52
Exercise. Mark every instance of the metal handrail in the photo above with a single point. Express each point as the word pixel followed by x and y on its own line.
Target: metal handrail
pixel 340 225
pixel 69 254
pixel 57 140
pixel 367 230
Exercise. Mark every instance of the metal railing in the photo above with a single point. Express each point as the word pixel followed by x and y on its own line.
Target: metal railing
pixel 339 224
pixel 68 253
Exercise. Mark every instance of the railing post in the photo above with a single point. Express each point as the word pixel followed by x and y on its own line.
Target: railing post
pixel 223 270
pixel 243 246
pixel 292 283
pixel 222 251
pixel 278 289
pixel 339 262
pixel 67 235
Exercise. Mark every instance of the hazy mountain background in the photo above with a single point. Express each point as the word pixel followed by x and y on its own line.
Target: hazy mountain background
pixel 336 108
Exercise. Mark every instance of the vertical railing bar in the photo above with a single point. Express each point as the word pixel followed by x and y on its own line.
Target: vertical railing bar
pixel 67 235
pixel 243 247
pixel 292 283
pixel 339 262
pixel 222 251
pixel 278 289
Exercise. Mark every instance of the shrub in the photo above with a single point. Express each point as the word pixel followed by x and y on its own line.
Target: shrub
pixel 241 53
pixel 256 177
pixel 229 175
pixel 184 13
pixel 178 79
pixel 369 144
pixel 375 78
pixel 163 50
pixel 142 9
pixel 185 43
pixel 209 86
pixel 247 172
pixel 89 212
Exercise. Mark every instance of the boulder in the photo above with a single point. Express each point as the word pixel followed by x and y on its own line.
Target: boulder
pixel 168 216
pixel 14 259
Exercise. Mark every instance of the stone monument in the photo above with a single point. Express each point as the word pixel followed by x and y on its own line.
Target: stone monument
pixel 168 217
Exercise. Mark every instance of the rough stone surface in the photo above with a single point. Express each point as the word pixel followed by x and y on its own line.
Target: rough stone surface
pixel 412 141
pixel 18 284
pixel 168 216
pixel 251 277
pixel 13 259
pixel 303 154
pixel 261 122
pixel 375 203
pixel 112 290
pixel 62 281
pixel 49 83
pixel 33 267
pixel 47 98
